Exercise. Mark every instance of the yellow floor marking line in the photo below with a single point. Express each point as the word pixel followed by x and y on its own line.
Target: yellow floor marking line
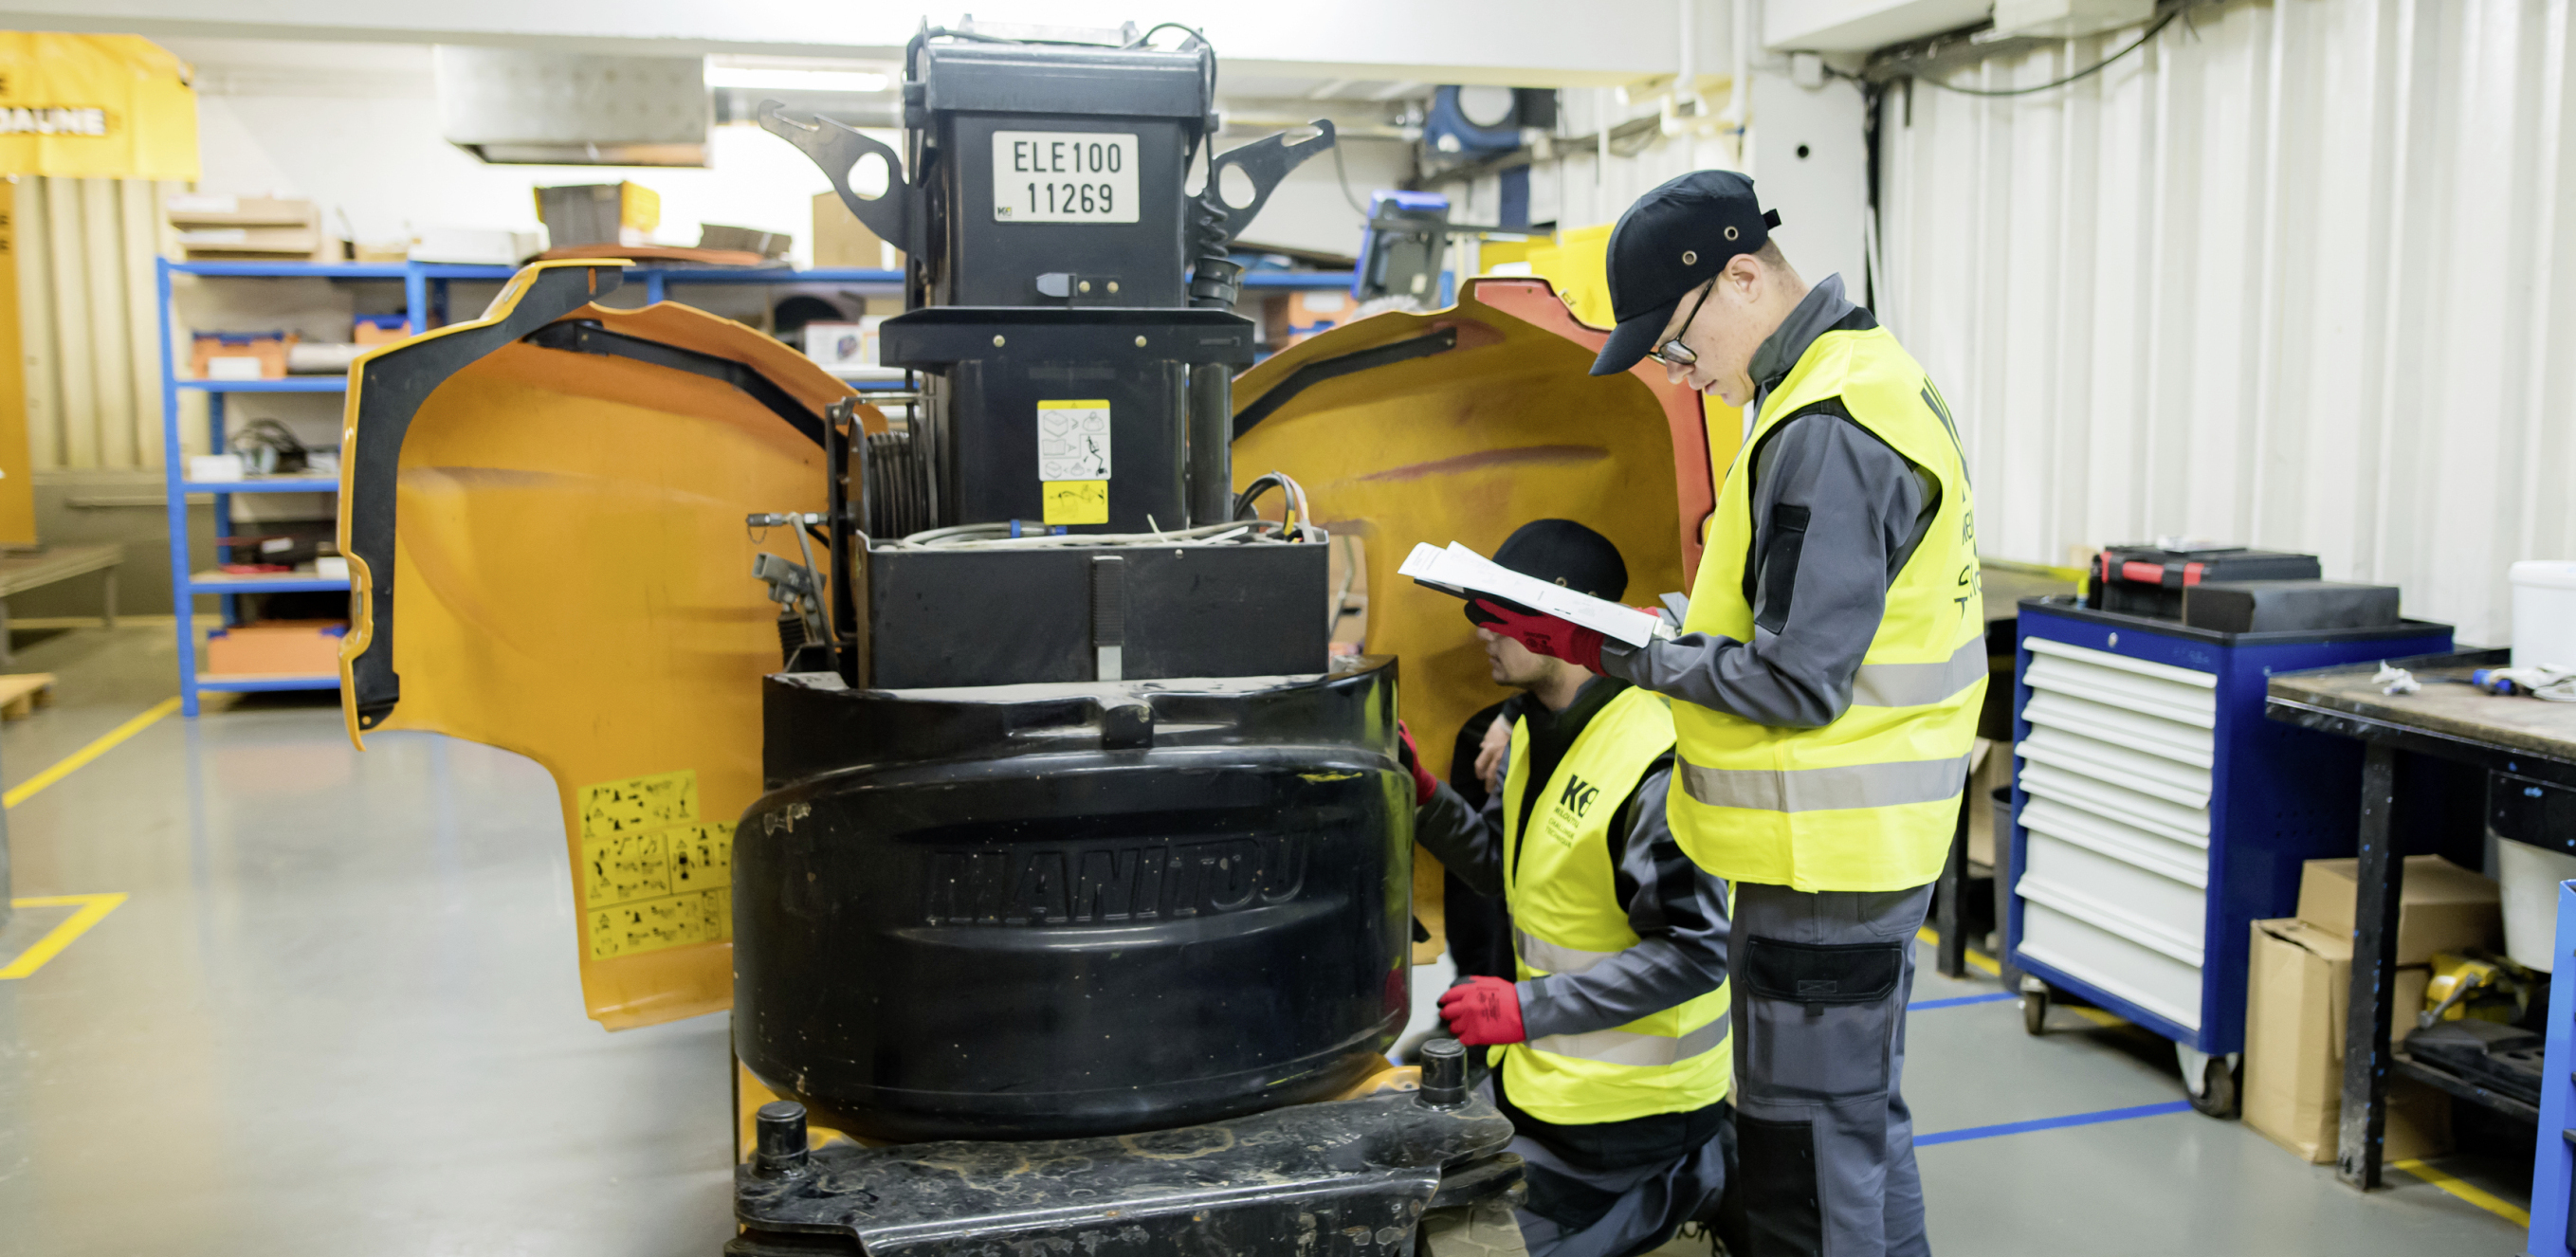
pixel 93 909
pixel 72 763
pixel 2479 1196
pixel 1977 960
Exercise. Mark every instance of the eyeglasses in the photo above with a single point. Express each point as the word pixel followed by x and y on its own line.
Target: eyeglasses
pixel 1673 353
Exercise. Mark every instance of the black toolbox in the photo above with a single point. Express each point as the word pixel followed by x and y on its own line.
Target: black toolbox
pixel 2149 579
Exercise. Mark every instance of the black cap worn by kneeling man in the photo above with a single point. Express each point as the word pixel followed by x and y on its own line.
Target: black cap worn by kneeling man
pixel 1671 241
pixel 1566 553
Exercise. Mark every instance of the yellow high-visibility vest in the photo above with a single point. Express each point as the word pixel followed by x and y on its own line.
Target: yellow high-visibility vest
pixel 1560 879
pixel 1870 801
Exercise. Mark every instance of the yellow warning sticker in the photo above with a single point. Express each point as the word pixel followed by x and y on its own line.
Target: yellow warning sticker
pixel 1076 501
pixel 653 874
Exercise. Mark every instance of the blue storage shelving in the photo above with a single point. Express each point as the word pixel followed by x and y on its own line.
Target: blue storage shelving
pixel 424 298
pixel 2156 812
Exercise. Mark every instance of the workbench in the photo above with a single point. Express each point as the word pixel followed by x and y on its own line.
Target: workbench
pixel 2525 742
pixel 34 569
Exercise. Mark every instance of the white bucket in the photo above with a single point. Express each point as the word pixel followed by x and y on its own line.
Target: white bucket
pixel 2530 889
pixel 2544 613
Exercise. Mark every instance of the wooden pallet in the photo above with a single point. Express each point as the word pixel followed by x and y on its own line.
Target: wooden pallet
pixel 22 693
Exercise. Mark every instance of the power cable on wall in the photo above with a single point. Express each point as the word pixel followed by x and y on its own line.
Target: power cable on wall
pixel 2097 67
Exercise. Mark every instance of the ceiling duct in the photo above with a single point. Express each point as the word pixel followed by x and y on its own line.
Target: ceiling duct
pixel 512 106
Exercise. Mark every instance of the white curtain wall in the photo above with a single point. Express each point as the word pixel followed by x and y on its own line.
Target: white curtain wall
pixel 89 319
pixel 2299 275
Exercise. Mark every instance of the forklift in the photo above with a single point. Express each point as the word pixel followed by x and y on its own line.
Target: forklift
pixel 994 766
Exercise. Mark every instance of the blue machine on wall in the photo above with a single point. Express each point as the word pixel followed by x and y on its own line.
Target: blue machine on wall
pixel 1478 121
pixel 2156 813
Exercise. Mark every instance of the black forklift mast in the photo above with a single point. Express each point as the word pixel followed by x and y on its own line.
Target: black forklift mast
pixel 1081 889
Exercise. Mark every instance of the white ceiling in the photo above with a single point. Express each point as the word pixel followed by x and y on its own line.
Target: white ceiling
pixel 1529 43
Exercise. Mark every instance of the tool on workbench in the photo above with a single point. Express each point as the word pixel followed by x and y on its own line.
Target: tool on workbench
pixel 2557 685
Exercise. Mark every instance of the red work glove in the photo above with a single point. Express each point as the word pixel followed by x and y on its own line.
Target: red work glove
pixel 1483 1010
pixel 1543 634
pixel 1424 785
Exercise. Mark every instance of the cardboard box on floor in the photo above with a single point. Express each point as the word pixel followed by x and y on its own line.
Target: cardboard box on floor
pixel 2298 993
pixel 2442 907
pixel 2298 987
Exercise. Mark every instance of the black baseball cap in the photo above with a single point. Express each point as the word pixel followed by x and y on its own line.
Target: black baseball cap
pixel 1671 241
pixel 1566 553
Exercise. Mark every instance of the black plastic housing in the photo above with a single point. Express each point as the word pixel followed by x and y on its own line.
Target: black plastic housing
pixel 953 617
pixel 972 89
pixel 999 364
pixel 1049 911
pixel 2279 606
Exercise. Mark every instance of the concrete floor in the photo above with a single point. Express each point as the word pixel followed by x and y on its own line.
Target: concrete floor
pixel 339 1014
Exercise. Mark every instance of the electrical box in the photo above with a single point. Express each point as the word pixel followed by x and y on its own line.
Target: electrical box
pixel 2066 19
pixel 1861 25
pixel 1059 162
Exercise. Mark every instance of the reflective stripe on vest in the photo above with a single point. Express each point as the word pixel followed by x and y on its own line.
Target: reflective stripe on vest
pixel 1826 789
pixel 1869 801
pixel 1538 953
pixel 1920 684
pixel 1642 1051
pixel 1561 883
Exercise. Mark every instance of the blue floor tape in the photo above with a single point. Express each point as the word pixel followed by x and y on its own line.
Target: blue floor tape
pixel 1956 1000
pixel 2052 1123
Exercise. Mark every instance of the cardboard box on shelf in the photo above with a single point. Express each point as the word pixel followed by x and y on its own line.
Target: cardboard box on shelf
pixel 220 227
pixel 276 648
pixel 841 241
pixel 259 244
pixel 599 213
pixel 218 209
pixel 240 355
pixel 768 244
pixel 2442 907
pixel 2298 990
pixel 379 329
pixel 843 344
pixel 475 246
pixel 1290 317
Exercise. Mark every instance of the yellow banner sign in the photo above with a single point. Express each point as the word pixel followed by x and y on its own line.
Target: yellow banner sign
pixel 95 107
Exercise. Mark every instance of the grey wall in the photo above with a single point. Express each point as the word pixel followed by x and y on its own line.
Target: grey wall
pixel 122 508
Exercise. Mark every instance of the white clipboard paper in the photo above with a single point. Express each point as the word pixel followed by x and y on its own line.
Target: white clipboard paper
pixel 1463 573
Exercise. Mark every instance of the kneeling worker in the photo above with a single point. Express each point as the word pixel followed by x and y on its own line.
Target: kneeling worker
pixel 1614 1056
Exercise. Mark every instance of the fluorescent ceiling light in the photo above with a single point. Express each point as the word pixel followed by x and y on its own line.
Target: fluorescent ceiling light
pixel 765 78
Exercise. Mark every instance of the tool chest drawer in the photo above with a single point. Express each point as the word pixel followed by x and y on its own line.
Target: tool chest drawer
pixel 2117 762
pixel 2156 812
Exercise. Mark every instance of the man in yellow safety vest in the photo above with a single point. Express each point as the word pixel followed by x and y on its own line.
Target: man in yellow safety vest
pixel 1611 1048
pixel 1825 691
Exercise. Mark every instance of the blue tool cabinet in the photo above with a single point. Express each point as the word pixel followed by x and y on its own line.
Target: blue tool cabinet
pixel 2156 812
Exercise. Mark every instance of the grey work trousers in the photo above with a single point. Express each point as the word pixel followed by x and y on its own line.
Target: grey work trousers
pixel 1826 1144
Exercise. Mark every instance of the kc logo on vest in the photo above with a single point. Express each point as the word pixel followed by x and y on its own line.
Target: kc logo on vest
pixel 1572 804
pixel 1578 795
